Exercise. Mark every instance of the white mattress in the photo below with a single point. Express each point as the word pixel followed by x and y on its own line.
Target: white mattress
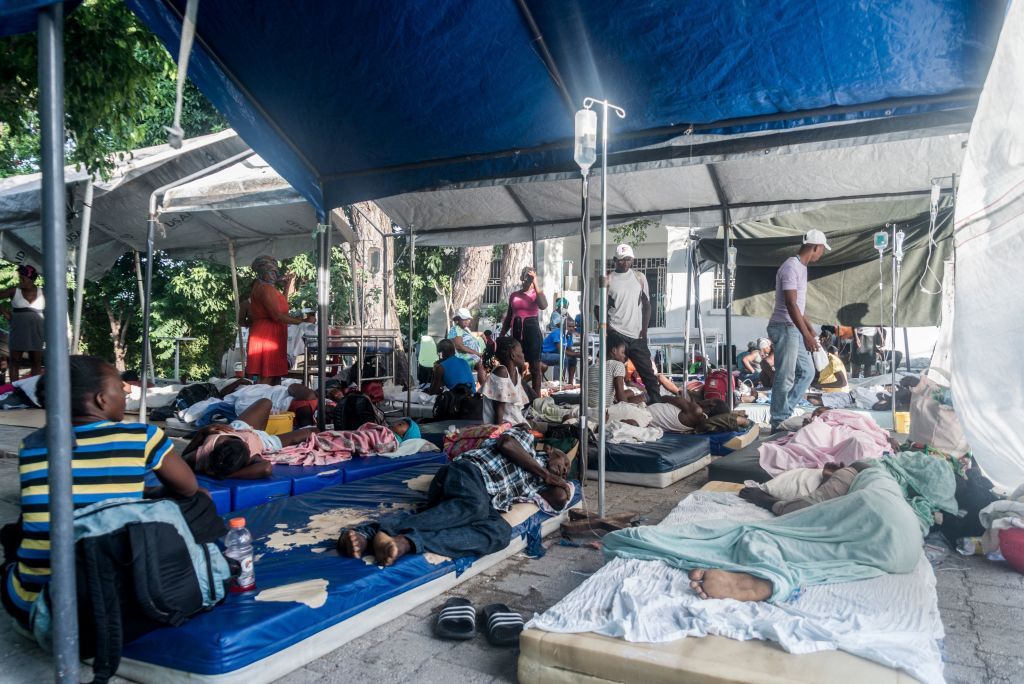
pixel 892 620
pixel 655 480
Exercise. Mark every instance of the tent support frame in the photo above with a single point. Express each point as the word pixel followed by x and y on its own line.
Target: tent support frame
pixel 83 262
pixel 323 293
pixel 723 200
pixel 147 295
pixel 238 302
pixel 58 367
pixel 585 314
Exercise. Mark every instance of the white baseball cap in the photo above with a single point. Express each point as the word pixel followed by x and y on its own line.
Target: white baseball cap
pixel 624 252
pixel 816 237
pixel 463 315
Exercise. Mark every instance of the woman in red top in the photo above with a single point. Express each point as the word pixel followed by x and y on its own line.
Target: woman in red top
pixel 522 320
pixel 268 335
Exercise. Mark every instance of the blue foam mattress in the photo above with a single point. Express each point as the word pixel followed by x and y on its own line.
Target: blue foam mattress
pixel 294 480
pixel 670 452
pixel 242 630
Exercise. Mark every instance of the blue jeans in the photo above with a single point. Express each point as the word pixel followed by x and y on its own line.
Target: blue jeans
pixel 459 519
pixel 794 370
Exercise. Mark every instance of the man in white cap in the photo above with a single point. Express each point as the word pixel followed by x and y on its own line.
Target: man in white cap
pixel 629 311
pixel 792 335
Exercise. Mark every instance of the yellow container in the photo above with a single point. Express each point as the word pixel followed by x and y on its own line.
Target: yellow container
pixel 903 422
pixel 280 423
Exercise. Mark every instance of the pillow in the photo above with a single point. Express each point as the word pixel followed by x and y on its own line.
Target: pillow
pixel 793 484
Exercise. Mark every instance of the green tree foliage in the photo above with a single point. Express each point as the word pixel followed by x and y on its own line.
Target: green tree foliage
pixel 633 233
pixel 119 91
pixel 434 269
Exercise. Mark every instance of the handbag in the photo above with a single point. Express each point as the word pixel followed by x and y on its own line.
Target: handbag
pixel 934 423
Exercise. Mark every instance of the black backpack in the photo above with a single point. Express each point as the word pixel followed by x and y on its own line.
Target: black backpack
pixel 140 565
pixel 355 409
pixel 458 403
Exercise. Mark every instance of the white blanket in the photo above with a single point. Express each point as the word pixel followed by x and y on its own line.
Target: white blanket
pixel 892 620
pixel 156 397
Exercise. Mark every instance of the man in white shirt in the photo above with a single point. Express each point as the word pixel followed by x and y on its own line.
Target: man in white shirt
pixel 792 335
pixel 629 311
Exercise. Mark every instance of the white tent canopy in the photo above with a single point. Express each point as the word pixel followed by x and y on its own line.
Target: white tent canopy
pixel 762 174
pixel 120 206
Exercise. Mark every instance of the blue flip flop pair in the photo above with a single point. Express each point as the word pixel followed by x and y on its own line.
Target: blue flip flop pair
pixel 457 620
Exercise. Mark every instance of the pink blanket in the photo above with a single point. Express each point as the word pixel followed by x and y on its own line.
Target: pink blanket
pixel 335 446
pixel 835 436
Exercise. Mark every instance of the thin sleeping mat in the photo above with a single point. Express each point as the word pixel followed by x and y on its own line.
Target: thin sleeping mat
pixel 250 641
pixel 639 621
pixel 294 480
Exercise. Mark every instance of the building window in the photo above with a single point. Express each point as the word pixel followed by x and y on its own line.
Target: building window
pixel 718 296
pixel 654 270
pixel 492 292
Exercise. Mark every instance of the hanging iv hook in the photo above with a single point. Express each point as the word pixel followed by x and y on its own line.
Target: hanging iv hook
pixel 589 102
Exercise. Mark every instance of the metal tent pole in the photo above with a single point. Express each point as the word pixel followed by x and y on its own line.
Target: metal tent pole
pixel 728 315
pixel 602 371
pixel 83 261
pixel 906 349
pixel 238 301
pixel 323 292
pixel 584 362
pixel 412 298
pixel 697 307
pixel 58 369
pixel 686 319
pixel 147 355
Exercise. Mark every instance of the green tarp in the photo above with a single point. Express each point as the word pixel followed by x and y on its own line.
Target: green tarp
pixel 843 286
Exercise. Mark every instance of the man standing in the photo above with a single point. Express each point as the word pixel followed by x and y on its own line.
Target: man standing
pixel 791 333
pixel 629 311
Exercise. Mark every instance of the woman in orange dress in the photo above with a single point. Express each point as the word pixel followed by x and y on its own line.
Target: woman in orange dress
pixel 267 356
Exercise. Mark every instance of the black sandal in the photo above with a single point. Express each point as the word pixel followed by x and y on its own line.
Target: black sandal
pixel 456 620
pixel 503 625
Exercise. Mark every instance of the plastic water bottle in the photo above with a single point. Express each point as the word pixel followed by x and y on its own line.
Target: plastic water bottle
pixel 238 547
pixel 969 546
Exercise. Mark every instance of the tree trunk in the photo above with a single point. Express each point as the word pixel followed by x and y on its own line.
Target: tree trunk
pixel 371 287
pixel 515 257
pixel 118 334
pixel 470 279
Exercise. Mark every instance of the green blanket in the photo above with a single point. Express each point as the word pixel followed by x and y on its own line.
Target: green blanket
pixel 927 482
pixel 869 531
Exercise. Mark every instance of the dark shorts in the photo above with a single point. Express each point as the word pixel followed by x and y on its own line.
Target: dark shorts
pixel 527 331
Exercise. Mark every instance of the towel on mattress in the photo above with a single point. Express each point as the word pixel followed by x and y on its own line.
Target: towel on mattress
pixel 890 619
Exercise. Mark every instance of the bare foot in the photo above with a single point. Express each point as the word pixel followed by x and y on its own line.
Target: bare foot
pixel 720 584
pixel 351 544
pixel 388 549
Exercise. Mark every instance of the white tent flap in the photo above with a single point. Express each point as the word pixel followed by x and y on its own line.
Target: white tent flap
pixel 987 389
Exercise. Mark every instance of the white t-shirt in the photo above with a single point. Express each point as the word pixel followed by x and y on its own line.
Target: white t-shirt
pixel 625 311
pixel 244 397
pixel 666 417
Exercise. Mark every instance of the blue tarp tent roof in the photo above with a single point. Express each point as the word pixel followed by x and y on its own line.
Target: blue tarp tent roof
pixel 359 100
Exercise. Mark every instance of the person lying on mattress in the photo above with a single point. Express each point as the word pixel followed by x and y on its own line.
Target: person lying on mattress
pixel 297 398
pixel 834 480
pixel 236 450
pixel 110 459
pixel 876 527
pixel 466 500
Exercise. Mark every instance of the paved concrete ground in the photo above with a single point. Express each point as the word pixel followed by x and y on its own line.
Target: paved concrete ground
pixel 982 607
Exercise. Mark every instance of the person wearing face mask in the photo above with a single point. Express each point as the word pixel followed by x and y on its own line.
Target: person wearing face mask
pixel 267 356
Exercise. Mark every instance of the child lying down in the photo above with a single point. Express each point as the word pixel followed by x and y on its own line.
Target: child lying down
pixel 243 449
pixel 876 527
